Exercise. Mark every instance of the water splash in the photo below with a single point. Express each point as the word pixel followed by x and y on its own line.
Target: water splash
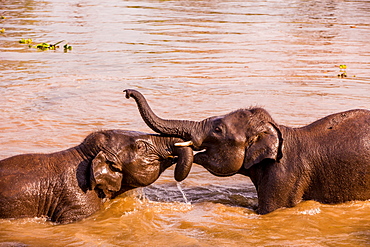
pixel 311 211
pixel 182 192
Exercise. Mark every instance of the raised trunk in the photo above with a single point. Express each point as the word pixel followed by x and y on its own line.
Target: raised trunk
pixel 177 128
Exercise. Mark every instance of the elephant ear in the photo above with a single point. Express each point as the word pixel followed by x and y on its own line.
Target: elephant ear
pixel 265 145
pixel 105 176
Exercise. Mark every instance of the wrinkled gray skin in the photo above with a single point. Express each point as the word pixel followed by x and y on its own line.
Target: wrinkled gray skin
pixel 327 161
pixel 70 185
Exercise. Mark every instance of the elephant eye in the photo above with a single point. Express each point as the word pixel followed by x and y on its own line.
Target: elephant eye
pixel 217 129
pixel 113 166
pixel 141 146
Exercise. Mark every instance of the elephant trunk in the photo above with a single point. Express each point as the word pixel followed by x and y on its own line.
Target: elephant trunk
pixel 184 162
pixel 176 128
pixel 166 147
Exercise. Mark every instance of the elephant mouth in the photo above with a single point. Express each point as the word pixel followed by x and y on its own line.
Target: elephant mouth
pixel 104 193
pixel 191 144
pixel 214 163
pixel 110 194
pixel 168 162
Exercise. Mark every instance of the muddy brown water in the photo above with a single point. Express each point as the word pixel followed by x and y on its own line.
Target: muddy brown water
pixel 192 59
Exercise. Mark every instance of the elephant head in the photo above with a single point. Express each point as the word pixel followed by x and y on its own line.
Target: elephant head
pixel 230 142
pixel 129 159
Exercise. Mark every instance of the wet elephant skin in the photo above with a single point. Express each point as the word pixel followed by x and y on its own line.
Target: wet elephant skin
pixel 72 184
pixel 327 160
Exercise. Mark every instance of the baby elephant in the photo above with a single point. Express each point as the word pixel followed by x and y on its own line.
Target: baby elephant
pixel 70 185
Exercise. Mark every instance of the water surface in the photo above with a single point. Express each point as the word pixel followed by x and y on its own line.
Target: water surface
pixel 192 59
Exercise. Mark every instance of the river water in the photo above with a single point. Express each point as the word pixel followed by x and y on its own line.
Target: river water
pixel 192 59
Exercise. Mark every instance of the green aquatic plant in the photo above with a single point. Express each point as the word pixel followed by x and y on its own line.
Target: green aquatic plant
pixel 45 46
pixel 67 48
pixel 342 71
pixel 2 30
pixel 25 41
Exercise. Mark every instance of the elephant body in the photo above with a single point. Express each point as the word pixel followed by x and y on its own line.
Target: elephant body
pixel 53 185
pixel 327 161
pixel 72 184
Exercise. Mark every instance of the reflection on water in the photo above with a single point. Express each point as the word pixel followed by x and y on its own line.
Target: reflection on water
pixel 192 59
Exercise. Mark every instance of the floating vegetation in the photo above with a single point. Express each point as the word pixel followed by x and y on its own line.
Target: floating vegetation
pixel 342 71
pixel 2 30
pixel 67 47
pixel 25 41
pixel 46 46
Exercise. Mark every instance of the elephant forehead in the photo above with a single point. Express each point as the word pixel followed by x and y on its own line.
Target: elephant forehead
pixel 126 134
pixel 239 117
pixel 236 125
pixel 125 139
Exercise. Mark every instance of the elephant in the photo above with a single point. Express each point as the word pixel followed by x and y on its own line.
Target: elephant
pixel 327 161
pixel 73 184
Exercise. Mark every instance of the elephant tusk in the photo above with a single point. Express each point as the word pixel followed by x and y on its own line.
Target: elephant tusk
pixel 184 144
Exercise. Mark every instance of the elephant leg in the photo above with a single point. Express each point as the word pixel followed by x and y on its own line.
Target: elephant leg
pixel 277 188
